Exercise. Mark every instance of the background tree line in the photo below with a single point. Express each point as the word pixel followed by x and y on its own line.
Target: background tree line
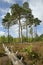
pixel 4 39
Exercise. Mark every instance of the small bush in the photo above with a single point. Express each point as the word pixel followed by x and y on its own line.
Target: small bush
pixel 32 54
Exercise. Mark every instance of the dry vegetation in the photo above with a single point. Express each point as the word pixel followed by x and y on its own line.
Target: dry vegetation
pixel 37 47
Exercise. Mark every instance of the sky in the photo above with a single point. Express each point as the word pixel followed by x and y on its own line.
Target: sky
pixel 37 11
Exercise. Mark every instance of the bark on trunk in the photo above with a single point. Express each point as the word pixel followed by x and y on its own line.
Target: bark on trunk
pixel 8 33
pixel 19 28
pixel 21 34
pixel 27 33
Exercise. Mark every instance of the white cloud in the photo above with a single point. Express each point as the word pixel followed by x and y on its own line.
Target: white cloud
pixel 24 1
pixel 2 16
pixel 14 31
pixel 2 33
pixel 4 11
pixel 1 26
pixel 37 8
pixel 39 32
pixel 9 10
pixel 9 1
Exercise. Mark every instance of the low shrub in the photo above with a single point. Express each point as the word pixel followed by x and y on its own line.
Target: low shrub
pixel 32 54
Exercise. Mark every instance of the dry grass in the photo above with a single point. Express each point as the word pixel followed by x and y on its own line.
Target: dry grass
pixel 37 47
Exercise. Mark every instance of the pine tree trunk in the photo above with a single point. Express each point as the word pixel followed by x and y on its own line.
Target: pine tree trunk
pixel 19 28
pixel 21 34
pixel 8 33
pixel 35 31
pixel 26 32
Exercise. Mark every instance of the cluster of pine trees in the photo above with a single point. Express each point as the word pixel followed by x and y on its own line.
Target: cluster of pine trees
pixel 19 12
